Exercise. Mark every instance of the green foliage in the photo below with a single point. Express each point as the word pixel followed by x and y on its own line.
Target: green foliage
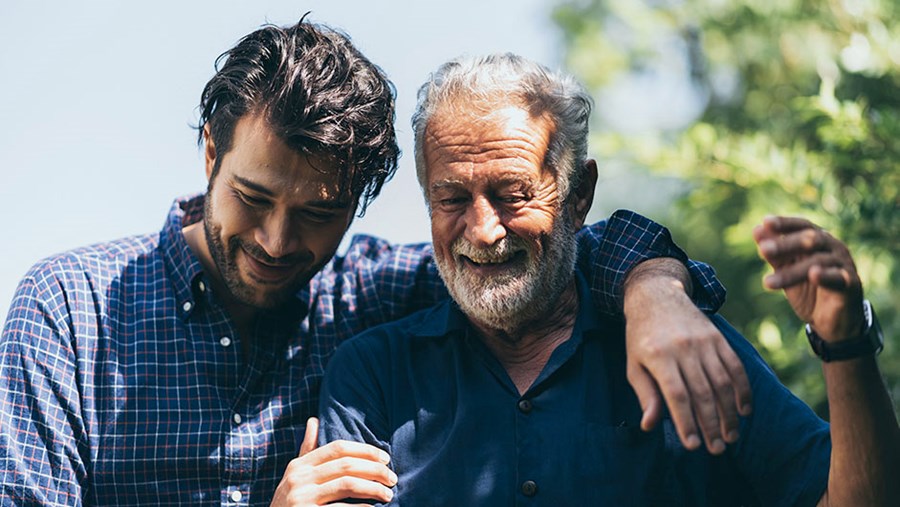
pixel 802 117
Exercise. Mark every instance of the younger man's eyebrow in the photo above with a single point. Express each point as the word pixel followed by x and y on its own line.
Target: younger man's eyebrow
pixel 254 186
pixel 332 204
pixel 338 203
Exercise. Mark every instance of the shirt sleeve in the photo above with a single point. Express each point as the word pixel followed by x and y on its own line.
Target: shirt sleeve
pixel 391 281
pixel 609 249
pixel 40 416
pixel 352 402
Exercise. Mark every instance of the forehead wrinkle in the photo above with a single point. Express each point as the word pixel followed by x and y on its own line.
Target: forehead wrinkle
pixel 456 146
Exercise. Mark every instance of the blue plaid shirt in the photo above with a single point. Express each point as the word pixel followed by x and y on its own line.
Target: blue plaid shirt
pixel 122 380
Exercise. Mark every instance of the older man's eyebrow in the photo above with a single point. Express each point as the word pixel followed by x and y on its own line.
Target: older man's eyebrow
pixel 446 184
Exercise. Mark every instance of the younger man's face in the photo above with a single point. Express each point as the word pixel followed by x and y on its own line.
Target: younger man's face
pixel 273 216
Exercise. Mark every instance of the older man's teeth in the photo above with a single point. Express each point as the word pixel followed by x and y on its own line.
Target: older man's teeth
pixel 488 261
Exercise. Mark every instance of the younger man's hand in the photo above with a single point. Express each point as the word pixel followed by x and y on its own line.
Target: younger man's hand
pixel 337 470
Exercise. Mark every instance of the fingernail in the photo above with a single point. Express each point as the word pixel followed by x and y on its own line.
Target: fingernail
pixel 773 280
pixel 717 446
pixel 767 246
pixel 693 442
pixel 384 457
pixel 747 409
pixel 392 477
pixel 390 494
pixel 733 436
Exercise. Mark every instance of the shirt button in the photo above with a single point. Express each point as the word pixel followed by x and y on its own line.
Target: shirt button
pixel 529 488
pixel 236 496
pixel 225 341
pixel 237 418
pixel 201 286
pixel 187 306
pixel 525 406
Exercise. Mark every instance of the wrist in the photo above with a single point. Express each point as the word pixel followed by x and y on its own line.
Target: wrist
pixel 657 277
pixel 654 292
pixel 868 341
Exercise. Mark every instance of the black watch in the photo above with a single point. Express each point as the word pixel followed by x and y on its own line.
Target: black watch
pixel 869 342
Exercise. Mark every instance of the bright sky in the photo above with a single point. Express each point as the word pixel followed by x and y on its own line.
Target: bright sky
pixel 97 98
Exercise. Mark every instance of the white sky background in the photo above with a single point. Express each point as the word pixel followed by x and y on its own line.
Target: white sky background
pixel 97 99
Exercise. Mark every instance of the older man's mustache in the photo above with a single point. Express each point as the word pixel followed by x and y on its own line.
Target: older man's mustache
pixel 501 251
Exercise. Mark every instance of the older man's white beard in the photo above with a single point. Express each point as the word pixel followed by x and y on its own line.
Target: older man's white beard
pixel 526 291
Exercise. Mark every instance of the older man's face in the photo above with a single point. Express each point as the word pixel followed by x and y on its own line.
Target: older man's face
pixel 503 244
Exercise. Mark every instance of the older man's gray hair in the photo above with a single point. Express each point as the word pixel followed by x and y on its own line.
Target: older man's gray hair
pixel 512 80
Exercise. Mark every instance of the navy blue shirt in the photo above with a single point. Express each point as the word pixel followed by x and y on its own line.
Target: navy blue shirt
pixel 428 391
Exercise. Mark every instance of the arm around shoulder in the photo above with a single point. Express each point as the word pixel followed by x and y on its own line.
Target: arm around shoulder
pixel 609 250
pixel 392 281
pixel 673 351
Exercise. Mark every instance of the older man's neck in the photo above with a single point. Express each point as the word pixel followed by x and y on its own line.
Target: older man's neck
pixel 525 350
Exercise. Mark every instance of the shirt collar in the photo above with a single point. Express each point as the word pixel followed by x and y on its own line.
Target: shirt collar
pixel 185 270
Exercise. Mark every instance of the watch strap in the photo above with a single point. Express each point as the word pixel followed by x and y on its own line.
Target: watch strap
pixel 869 342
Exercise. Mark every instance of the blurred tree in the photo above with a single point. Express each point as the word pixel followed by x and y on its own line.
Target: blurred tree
pixel 763 107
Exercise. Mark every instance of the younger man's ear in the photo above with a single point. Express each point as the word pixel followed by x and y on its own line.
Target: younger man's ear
pixel 583 197
pixel 209 151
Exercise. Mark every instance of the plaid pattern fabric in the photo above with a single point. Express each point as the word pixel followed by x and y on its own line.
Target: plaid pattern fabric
pixel 122 381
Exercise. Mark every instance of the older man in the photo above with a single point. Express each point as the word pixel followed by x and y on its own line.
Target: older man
pixel 515 393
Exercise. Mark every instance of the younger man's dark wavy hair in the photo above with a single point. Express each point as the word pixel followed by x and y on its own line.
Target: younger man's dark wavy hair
pixel 317 92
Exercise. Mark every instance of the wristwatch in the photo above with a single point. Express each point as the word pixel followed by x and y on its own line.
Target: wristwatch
pixel 869 342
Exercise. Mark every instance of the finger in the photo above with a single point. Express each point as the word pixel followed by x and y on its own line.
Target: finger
pixel 783 249
pixel 355 467
pixel 834 278
pixel 725 398
pixel 345 448
pixel 760 233
pixel 310 438
pixel 794 273
pixel 648 396
pixel 677 399
pixel 743 393
pixel 704 404
pixel 353 487
pixel 785 225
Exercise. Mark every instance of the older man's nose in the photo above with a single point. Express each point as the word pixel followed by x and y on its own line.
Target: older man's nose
pixel 483 224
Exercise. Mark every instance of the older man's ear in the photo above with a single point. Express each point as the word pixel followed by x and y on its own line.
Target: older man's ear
pixel 583 196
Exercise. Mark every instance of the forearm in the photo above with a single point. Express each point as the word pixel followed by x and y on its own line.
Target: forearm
pixel 662 273
pixel 865 436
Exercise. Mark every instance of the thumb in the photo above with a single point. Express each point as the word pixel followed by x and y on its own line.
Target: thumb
pixel 311 438
pixel 649 397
